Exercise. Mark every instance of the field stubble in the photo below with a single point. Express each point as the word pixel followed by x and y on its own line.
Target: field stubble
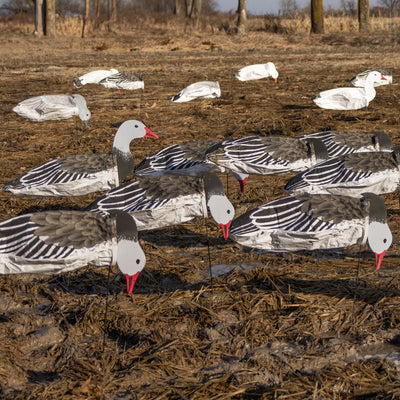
pixel 280 325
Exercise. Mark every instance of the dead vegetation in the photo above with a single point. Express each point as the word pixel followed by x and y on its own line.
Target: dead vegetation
pixel 285 326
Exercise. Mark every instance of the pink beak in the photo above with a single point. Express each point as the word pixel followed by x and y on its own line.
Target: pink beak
pixel 276 80
pixel 242 183
pixel 130 281
pixel 225 229
pixel 378 259
pixel 149 133
pixel 383 78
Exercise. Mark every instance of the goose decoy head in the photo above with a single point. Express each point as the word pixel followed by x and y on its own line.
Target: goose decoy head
pixel 220 207
pixel 379 234
pixel 273 71
pixel 130 256
pixel 83 112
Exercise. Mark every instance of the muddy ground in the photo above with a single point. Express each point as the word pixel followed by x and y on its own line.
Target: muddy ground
pixel 284 326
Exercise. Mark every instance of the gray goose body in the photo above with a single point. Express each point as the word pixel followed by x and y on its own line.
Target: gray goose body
pixel 311 222
pixel 63 240
pixel 156 202
pixel 339 143
pixel 123 80
pixel 351 175
pixel 187 158
pixel 83 173
pixel 266 155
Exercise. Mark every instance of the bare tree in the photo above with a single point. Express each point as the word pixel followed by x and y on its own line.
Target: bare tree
pixel 242 16
pixel 349 6
pixel 113 10
pixel 50 27
pixel 317 16
pixel 195 8
pixel 86 17
pixel 39 14
pixel 363 15
pixel 288 7
pixel 179 7
pixel 391 5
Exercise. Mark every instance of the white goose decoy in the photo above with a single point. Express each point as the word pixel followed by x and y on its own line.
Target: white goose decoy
pixel 360 79
pixel 156 202
pixel 266 155
pixel 83 173
pixel 93 77
pixel 257 71
pixel 348 98
pixel 59 241
pixel 350 175
pixel 198 90
pixel 339 143
pixel 54 107
pixel 313 222
pixel 123 80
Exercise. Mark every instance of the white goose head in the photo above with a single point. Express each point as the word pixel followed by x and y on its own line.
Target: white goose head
pixel 273 71
pixel 379 234
pixel 130 256
pixel 83 112
pixel 372 78
pixel 128 130
pixel 220 207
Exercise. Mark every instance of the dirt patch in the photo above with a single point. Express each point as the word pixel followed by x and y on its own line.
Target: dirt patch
pixel 280 326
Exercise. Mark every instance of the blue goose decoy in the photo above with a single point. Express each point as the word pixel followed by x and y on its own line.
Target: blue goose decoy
pixel 315 222
pixel 83 173
pixel 156 202
pixel 59 241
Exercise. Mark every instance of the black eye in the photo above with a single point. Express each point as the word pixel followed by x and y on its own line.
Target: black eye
pixel 229 211
pixel 384 240
pixel 137 261
pixel 136 126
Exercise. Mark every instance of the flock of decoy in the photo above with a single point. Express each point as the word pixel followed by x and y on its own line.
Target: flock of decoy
pixel 333 202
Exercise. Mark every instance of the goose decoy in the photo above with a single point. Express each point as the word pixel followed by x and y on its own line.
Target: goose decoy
pixel 156 202
pixel 314 222
pixel 339 143
pixel 257 71
pixel 198 90
pixel 93 77
pixel 54 107
pixel 59 241
pixel 350 175
pixel 187 158
pixel 83 173
pixel 266 155
pixel 349 98
pixel 123 80
pixel 360 79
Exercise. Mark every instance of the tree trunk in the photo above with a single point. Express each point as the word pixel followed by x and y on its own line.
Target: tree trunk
pixel 50 27
pixel 363 15
pixel 242 16
pixel 98 7
pixel 195 9
pixel 189 5
pixel 86 17
pixel 114 10
pixel 317 16
pixel 179 7
pixel 39 15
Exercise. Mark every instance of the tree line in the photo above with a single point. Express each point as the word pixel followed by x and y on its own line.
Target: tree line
pixel 45 10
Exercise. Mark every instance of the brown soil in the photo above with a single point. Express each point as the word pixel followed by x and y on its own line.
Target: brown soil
pixel 284 326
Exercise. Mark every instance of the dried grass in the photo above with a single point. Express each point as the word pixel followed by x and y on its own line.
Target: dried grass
pixel 294 326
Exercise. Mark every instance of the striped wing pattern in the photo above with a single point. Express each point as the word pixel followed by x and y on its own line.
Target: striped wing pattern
pixel 251 151
pixel 168 159
pixel 280 214
pixel 129 197
pixel 334 148
pixel 330 172
pixel 17 236
pixel 50 173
